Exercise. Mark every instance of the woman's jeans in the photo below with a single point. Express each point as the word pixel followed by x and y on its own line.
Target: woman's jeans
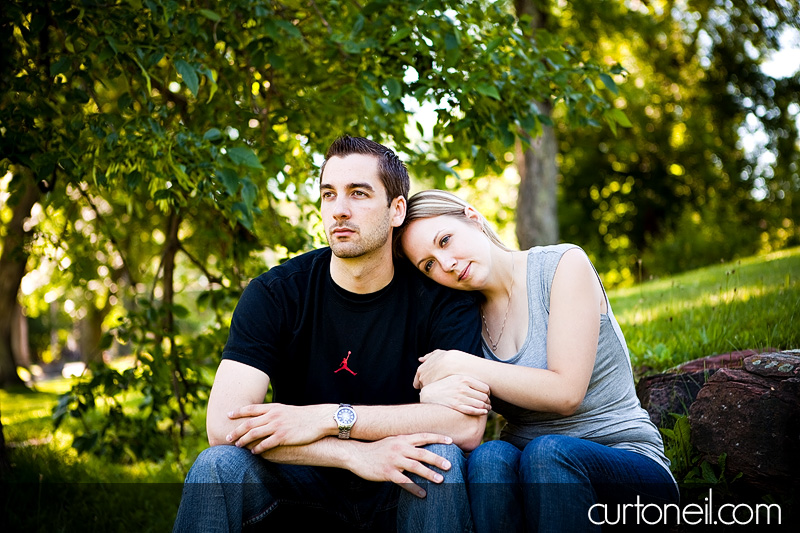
pixel 553 484
pixel 229 488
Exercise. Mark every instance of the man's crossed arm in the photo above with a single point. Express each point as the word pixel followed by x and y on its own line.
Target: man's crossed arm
pixel 384 445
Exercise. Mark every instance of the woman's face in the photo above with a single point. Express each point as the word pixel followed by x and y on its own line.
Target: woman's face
pixel 452 251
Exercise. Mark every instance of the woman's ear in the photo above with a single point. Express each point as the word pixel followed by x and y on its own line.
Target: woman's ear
pixel 472 214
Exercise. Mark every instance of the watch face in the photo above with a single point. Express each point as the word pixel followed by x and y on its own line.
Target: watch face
pixel 345 416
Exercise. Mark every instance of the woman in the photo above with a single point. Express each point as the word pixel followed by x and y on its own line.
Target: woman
pixel 558 369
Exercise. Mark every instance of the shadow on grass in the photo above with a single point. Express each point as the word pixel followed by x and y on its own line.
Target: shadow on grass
pixel 47 492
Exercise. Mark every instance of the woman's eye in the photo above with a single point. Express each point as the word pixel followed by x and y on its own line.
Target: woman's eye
pixel 428 265
pixel 444 240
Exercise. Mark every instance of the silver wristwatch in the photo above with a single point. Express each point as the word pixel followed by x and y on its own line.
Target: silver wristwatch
pixel 345 418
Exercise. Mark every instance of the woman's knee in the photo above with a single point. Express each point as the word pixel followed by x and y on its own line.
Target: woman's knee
pixel 550 456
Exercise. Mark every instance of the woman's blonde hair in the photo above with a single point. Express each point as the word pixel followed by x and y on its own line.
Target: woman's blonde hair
pixel 435 203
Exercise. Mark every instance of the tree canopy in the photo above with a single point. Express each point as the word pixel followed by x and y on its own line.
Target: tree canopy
pixel 709 168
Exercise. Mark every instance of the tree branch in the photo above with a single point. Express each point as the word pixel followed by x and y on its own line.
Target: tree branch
pixel 110 237
pixel 211 278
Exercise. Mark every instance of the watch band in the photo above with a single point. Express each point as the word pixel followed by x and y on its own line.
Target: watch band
pixel 345 424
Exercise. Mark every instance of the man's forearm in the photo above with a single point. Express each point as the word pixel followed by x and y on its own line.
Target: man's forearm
pixel 379 421
pixel 328 451
pixel 274 425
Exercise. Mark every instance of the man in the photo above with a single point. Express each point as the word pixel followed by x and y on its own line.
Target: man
pixel 338 332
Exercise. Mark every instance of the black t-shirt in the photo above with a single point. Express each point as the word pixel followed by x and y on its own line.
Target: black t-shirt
pixel 319 343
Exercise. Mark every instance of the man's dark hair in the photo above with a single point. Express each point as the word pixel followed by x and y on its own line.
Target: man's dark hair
pixel 391 170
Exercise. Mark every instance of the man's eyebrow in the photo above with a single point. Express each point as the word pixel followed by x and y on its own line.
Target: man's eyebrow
pixel 364 185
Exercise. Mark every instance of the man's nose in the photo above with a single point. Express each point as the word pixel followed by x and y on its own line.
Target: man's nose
pixel 341 209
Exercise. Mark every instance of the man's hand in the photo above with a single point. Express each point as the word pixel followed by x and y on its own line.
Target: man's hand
pixel 391 458
pixel 276 424
pixel 462 393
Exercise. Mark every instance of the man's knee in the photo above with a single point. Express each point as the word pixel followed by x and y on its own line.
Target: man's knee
pixel 220 464
pixel 458 462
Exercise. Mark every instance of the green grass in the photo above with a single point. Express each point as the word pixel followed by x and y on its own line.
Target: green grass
pixel 53 488
pixel 753 303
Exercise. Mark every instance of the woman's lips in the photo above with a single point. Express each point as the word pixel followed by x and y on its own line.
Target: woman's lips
pixel 464 272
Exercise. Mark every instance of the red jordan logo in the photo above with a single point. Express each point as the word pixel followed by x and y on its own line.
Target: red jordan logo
pixel 343 365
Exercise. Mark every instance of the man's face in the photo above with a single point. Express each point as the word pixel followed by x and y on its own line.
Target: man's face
pixel 354 212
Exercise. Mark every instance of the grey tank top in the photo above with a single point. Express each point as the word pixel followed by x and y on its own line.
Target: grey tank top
pixel 610 413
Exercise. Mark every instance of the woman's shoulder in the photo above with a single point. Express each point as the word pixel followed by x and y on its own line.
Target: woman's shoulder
pixel 547 258
pixel 553 249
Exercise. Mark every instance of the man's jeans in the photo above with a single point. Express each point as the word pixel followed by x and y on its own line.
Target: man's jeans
pixel 228 489
pixel 551 485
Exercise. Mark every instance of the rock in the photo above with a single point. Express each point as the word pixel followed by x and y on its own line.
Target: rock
pixel 675 390
pixel 715 362
pixel 779 365
pixel 752 415
pixel 663 394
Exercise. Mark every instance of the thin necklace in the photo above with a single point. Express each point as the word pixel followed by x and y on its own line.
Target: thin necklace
pixel 508 308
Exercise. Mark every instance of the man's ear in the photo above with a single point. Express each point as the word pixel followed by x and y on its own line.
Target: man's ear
pixel 398 211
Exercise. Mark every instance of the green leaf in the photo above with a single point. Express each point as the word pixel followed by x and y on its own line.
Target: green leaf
pixel 358 26
pixel 611 123
pixel 401 34
pixel 60 66
pixel 189 75
pixel 487 89
pixel 609 83
pixel 394 88
pixel 180 311
pixel 708 472
pixel 494 43
pixel 289 28
pixel 249 193
pixel 211 81
pixel 207 13
pixel 212 135
pixel 244 156
pixel 112 43
pixel 105 341
pixel 545 119
pixel 621 118
pixel 229 179
pixel 246 217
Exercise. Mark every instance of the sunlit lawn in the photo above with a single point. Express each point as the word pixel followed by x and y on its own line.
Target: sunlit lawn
pixel 753 303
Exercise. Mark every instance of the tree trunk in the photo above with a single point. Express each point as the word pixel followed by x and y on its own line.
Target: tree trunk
pixel 170 250
pixel 13 262
pixel 91 333
pixel 537 213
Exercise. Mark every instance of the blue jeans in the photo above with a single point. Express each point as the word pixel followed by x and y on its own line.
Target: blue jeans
pixel 228 489
pixel 552 484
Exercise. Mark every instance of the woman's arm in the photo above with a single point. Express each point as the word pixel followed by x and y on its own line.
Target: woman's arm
pixel 576 302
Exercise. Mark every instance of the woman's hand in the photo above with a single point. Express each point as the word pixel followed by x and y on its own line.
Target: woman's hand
pixel 465 394
pixel 442 363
